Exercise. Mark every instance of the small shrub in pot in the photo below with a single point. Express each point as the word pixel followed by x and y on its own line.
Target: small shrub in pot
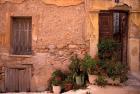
pixel 56 86
pixel 68 82
pixel 58 75
pixel 101 81
pixel 76 71
pixel 91 66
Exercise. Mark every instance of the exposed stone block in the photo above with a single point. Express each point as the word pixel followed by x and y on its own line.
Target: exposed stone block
pixel 73 46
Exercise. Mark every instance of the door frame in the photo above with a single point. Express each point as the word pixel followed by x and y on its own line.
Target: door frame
pixel 126 31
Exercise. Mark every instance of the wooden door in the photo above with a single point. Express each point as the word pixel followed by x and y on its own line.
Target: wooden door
pixel 114 25
pixel 124 35
pixel 17 79
pixel 11 80
pixel 120 34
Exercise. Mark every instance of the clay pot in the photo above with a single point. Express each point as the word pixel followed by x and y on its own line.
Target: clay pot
pixel 56 89
pixel 92 78
pixel 68 86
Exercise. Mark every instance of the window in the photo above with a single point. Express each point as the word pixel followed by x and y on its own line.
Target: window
pixel 117 1
pixel 105 24
pixel 109 24
pixel 21 36
pixel 116 27
pixel 116 22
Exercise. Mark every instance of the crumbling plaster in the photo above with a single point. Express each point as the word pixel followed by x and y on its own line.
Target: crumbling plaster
pixel 57 33
pixel 55 2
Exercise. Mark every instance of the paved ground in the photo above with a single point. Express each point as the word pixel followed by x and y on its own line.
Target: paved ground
pixel 132 86
pixel 106 90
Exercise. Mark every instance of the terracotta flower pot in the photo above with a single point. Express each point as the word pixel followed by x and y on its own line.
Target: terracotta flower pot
pixel 92 78
pixel 56 89
pixel 68 86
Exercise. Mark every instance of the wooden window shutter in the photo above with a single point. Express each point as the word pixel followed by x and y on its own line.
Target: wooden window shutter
pixel 105 24
pixel 117 1
pixel 21 36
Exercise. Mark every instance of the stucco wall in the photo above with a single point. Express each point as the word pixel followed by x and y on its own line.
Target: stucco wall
pixel 107 4
pixel 134 42
pixel 57 33
pixel 55 2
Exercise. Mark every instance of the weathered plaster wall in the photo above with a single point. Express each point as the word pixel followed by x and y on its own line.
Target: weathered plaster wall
pixel 134 42
pixel 135 4
pixel 63 2
pixel 13 1
pixel 107 4
pixel 55 2
pixel 57 33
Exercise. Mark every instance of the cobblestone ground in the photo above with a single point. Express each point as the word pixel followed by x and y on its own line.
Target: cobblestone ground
pixel 132 86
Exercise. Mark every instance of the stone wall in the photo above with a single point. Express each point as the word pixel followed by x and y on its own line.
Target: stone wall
pixel 57 33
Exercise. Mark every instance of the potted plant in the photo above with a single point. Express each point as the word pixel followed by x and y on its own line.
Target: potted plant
pixel 77 72
pixel 56 81
pixel 106 48
pixel 68 83
pixel 117 72
pixel 101 81
pixel 56 86
pixel 91 66
pixel 58 75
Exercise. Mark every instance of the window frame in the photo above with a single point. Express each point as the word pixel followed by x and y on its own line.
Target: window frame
pixel 11 36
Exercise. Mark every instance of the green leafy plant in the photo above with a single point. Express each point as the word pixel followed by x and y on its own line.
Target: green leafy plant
pixel 56 79
pixel 56 82
pixel 58 75
pixel 102 67
pixel 101 81
pixel 68 82
pixel 69 78
pixel 75 66
pixel 117 70
pixel 77 71
pixel 90 65
pixel 106 48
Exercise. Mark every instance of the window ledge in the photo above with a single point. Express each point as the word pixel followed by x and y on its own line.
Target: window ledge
pixel 26 56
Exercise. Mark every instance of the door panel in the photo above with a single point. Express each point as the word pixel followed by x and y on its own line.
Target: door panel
pixel 124 35
pixel 105 24
pixel 17 79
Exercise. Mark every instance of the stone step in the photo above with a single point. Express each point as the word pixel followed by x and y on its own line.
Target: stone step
pixel 133 80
